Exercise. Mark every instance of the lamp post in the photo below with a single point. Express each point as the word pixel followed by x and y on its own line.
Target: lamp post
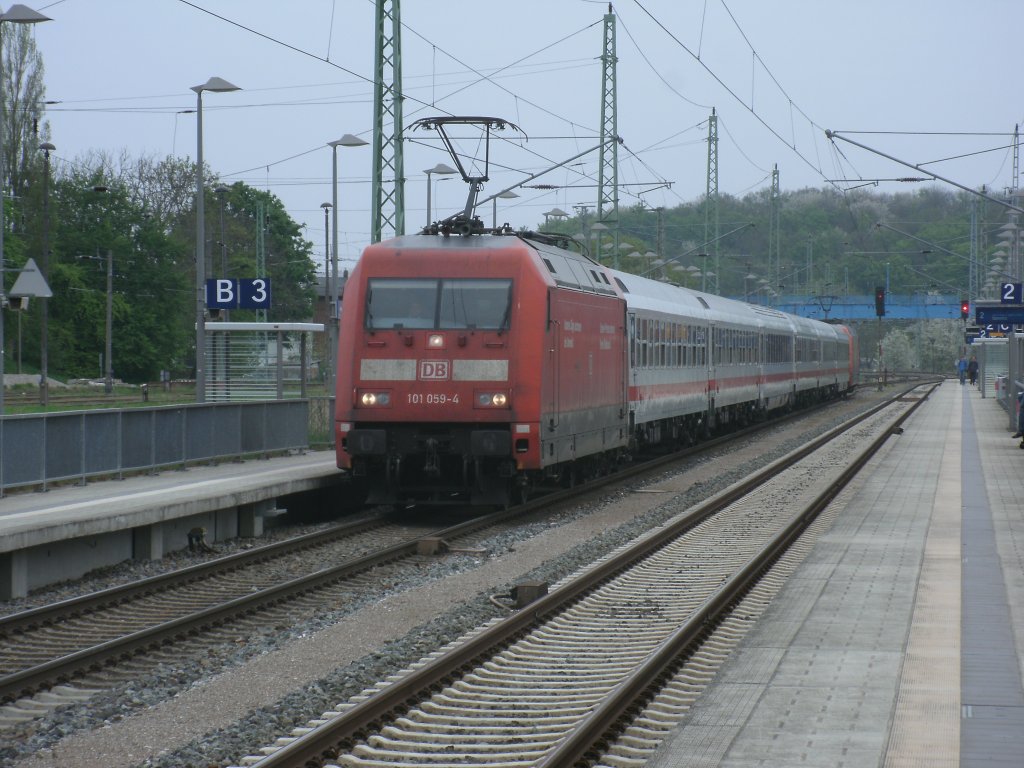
pixel 554 213
pixel 44 388
pixel 16 14
pixel 509 195
pixel 327 284
pixel 348 140
pixel 215 85
pixel 222 192
pixel 440 169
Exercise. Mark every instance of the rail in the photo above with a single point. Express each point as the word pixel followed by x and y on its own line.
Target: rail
pixel 322 745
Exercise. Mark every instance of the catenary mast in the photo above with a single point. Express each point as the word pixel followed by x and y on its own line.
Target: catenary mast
pixel 388 189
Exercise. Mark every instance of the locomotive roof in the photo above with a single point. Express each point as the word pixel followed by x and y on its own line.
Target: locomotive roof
pixel 656 296
pixel 420 242
pixel 567 269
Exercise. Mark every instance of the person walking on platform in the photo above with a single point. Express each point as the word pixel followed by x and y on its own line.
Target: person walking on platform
pixel 961 368
pixel 1020 417
pixel 972 369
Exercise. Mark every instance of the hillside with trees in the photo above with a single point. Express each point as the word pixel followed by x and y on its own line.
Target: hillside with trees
pixel 826 237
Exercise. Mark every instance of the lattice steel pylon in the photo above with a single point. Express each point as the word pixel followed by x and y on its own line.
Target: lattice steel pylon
pixel 711 196
pixel 608 166
pixel 774 221
pixel 388 206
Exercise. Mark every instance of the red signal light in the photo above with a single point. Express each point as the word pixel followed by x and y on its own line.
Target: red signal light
pixel 965 309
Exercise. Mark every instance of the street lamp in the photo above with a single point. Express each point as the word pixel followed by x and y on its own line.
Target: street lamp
pixel 440 169
pixel 556 213
pixel 327 280
pixel 16 14
pixel 348 140
pixel 508 195
pixel 215 85
pixel 222 192
pixel 44 388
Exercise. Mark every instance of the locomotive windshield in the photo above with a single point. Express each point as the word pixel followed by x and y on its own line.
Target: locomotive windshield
pixel 438 304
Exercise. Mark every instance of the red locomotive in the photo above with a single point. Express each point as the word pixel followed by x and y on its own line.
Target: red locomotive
pixel 473 368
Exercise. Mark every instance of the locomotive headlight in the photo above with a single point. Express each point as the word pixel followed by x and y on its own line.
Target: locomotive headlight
pixel 375 399
pixel 435 341
pixel 491 400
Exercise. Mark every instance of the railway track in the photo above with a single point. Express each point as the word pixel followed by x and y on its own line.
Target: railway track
pixel 89 639
pixel 63 652
pixel 598 671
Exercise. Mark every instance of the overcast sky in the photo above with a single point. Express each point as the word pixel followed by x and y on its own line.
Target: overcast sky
pixel 922 80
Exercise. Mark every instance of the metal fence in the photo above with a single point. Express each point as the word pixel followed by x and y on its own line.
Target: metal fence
pixel 38 449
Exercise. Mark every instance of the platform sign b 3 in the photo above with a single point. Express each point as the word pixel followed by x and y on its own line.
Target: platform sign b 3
pixel 242 293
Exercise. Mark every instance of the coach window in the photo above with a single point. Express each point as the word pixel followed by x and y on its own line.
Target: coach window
pixel 632 341
pixel 643 342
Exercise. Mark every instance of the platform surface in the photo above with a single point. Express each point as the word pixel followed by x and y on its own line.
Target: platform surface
pixel 30 519
pixel 898 640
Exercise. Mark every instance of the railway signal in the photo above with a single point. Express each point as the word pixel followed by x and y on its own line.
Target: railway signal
pixel 965 309
pixel 880 301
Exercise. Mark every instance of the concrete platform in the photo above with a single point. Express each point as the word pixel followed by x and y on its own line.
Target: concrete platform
pixel 899 640
pixel 66 532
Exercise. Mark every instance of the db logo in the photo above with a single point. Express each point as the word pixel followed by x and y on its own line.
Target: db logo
pixel 434 369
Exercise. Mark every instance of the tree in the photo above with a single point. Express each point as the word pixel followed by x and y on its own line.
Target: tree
pixel 151 292
pixel 23 104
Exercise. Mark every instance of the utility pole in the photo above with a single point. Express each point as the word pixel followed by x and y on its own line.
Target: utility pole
pixel 108 382
pixel 608 166
pixel 388 205
pixel 973 276
pixel 1015 177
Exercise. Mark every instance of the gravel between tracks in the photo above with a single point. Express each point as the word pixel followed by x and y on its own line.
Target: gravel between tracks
pixel 214 710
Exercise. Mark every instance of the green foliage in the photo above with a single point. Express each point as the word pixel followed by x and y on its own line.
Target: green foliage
pixel 24 94
pixel 141 214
